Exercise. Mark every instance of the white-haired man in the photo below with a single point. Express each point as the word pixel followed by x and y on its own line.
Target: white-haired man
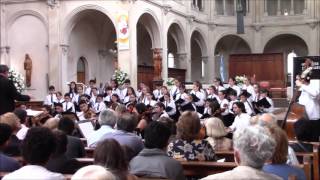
pixel 107 120
pixel 253 146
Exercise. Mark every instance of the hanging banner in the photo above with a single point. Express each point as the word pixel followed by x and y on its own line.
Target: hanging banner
pixel 123 31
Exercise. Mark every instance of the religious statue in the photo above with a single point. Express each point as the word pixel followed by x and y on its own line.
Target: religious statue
pixel 28 69
pixel 157 59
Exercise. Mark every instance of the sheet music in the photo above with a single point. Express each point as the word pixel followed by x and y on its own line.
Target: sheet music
pixel 33 113
pixel 86 128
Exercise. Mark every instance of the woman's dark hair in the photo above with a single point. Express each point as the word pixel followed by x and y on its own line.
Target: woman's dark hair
pixel 61 141
pixel 156 135
pixel 21 114
pixel 219 80
pixel 66 125
pixel 75 90
pixel 188 126
pixel 117 96
pixel 214 105
pixel 241 106
pixel 141 108
pixel 132 90
pixel 38 145
pixel 4 68
pixel 111 155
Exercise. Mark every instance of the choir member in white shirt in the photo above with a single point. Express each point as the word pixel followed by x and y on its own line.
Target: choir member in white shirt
pixel 59 97
pixel 51 97
pixel 58 109
pixel 310 96
pixel 212 92
pixel 200 94
pixel 175 89
pixel 224 103
pixel 124 89
pixel 130 91
pixel 94 94
pixel 107 95
pixel 164 90
pixel 169 105
pixel 157 92
pixel 115 89
pixel 182 96
pixel 148 100
pixel 139 90
pixel 242 119
pixel 73 89
pixel 67 105
pixel 232 84
pixel 92 84
pixel 244 96
pixel 265 94
pixel 218 84
pixel 99 105
pixel 76 97
pixel 143 94
pixel 233 98
pixel 249 88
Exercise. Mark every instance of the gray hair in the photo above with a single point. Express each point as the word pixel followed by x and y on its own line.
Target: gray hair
pixel 267 119
pixel 108 117
pixel 255 146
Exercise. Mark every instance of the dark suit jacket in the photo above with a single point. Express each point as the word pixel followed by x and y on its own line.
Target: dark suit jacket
pixel 8 164
pixel 75 148
pixel 9 93
pixel 63 164
pixel 14 146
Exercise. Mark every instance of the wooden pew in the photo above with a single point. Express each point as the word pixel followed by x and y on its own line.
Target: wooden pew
pixel 89 152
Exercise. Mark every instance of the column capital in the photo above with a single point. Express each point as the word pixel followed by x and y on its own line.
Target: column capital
pixel 64 48
pixel 4 49
pixel 166 9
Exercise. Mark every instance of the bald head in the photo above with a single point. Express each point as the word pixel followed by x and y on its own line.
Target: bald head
pixel 268 119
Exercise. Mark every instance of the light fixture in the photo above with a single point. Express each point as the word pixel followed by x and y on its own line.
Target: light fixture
pixel 285 12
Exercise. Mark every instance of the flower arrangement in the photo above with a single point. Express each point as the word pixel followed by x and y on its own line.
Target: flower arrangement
pixel 240 79
pixel 119 76
pixel 170 81
pixel 17 79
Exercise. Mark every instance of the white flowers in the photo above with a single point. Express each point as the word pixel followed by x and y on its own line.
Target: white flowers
pixel 17 79
pixel 119 76
pixel 240 79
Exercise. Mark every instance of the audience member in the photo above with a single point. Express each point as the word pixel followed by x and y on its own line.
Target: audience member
pixel 22 115
pixel 14 145
pixel 75 147
pixel 7 164
pixel 93 172
pixel 278 165
pixel 216 133
pixel 253 146
pixel 107 120
pixel 126 124
pixel 112 156
pixel 58 161
pixel 188 128
pixel 153 161
pixel 37 147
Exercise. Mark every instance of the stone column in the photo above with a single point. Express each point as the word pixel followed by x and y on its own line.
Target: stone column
pixel 305 7
pixel 181 62
pixel 64 67
pixel 224 7
pixel 206 68
pixel 56 69
pixel 291 8
pixel 4 55
pixel 102 57
pixel 278 8
pixel 235 7
pixel 266 7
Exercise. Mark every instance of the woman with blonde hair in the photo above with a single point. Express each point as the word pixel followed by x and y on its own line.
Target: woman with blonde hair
pixel 216 133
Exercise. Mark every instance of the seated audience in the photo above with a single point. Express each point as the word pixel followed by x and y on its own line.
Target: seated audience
pixel 58 161
pixel 112 156
pixel 52 123
pixel 278 165
pixel 126 124
pixel 75 147
pixel 37 147
pixel 7 164
pixel 216 133
pixel 22 115
pixel 187 146
pixel 252 146
pixel 269 120
pixel 153 161
pixel 93 172
pixel 13 147
pixel 107 120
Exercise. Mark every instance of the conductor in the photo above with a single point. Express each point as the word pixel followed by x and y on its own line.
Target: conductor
pixel 8 92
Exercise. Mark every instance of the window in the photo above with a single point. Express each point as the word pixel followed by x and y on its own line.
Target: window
pixel 203 66
pixel 171 61
pixel 197 4
pixel 298 6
